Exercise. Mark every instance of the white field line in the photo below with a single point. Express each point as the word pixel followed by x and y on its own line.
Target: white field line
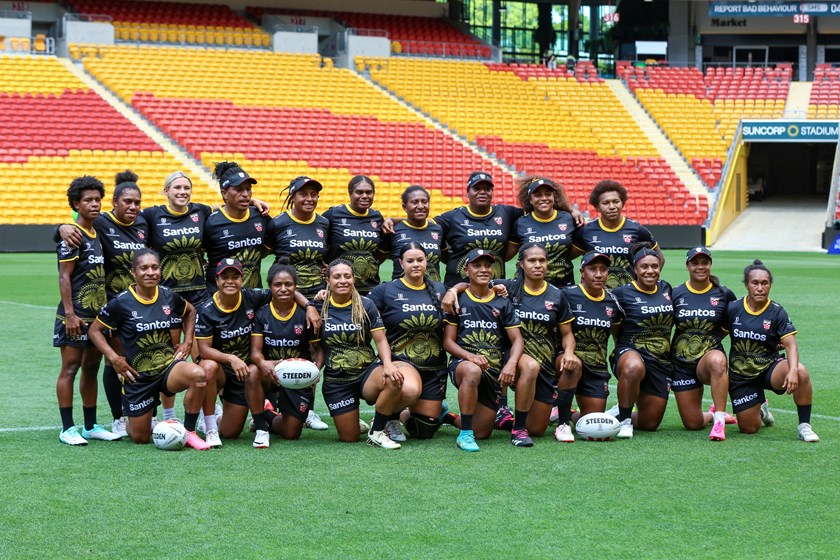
pixel 29 305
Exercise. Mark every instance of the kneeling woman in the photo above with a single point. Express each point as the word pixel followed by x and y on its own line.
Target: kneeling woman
pixel 142 316
pixel 279 332
pixel 410 310
pixel 351 369
pixel 477 339
pixel 642 357
pixel 757 327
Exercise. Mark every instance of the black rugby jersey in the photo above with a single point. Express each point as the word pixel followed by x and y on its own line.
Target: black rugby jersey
pixel 226 237
pixel 230 330
pixel 430 237
pixel 119 241
pixel 87 281
pixel 413 323
pixel 593 321
pixel 540 313
pixel 555 235
pixel 284 337
pixel 143 326
pixel 614 243
pixel 306 246
pixel 346 358
pixel 481 327
pixel 755 337
pixel 698 321
pixel 177 237
pixel 464 231
pixel 648 320
pixel 356 238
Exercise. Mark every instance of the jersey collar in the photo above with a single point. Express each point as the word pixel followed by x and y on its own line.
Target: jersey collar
pixel 474 215
pixel 219 305
pixel 85 232
pixel 656 289
pixel 281 318
pixel 546 221
pixel 410 287
pixel 756 313
pixel 538 293
pixel 174 213
pixel 618 227
pixel 141 300
pixel 424 226
pixel 693 291
pixel 591 297
pixel 116 221
pixel 292 216
pixel 334 304
pixel 478 299
pixel 367 211
pixel 236 220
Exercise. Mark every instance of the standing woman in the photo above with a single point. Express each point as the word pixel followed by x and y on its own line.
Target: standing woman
pixel 152 364
pixel 410 311
pixel 351 369
pixel 486 345
pixel 612 233
pixel 642 357
pixel 596 315
pixel 758 326
pixel 548 221
pixel 280 332
pixel 356 233
pixel 697 350
pixel 416 228
pixel 81 282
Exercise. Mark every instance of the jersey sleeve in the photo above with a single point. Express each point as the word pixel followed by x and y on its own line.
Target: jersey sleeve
pixel 203 325
pixel 506 282
pixel 578 239
pixel 619 311
pixel 66 253
pixel 373 315
pixel 646 236
pixel 444 221
pixel 149 213
pixel 204 209
pixel 728 295
pixel 564 310
pixel 179 304
pixel 452 318
pixel 377 296
pixel 784 326
pixel 329 214
pixel 259 321
pixel 258 296
pixel 111 314
pixel 513 212
pixel 509 318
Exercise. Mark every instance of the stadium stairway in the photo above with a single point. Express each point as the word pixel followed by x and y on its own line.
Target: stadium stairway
pixel 191 166
pixel 661 142
pixel 799 96
pixel 777 224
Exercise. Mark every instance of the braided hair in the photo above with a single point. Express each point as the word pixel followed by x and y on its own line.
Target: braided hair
pixel 426 280
pixel 357 309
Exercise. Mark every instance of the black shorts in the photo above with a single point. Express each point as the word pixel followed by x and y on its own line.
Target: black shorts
pixel 60 337
pixel 592 384
pixel 685 378
pixel 434 385
pixel 143 394
pixel 489 390
pixel 657 379
pixel 545 390
pixel 293 402
pixel 750 393
pixel 344 396
pixel 234 389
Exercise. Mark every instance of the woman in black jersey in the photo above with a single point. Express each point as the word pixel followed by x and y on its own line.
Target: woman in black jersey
pixel 152 363
pixel 642 357
pixel 757 327
pixel 410 311
pixel 697 350
pixel 81 282
pixel 279 333
pixel 356 233
pixel 351 369
pixel 416 228
pixel 548 220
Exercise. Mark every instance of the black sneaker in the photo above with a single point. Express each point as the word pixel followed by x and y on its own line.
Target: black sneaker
pixel 504 419
pixel 521 438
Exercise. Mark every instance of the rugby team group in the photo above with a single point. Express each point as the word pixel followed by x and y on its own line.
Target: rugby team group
pixel 171 296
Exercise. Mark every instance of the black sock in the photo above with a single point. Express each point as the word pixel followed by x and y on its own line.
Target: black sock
pixel 113 390
pixel 394 416
pixel 520 419
pixel 624 413
pixel 261 421
pixel 190 420
pixel 66 413
pixel 564 404
pixel 466 422
pixel 379 421
pixel 503 401
pixel 90 416
pixel 449 418
pixel 804 412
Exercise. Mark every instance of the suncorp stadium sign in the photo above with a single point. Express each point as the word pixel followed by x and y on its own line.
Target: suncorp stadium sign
pixel 790 131
pixel 773 8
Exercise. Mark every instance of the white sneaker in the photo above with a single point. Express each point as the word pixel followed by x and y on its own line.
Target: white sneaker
pixel 554 416
pixel 262 440
pixel 364 427
pixel 806 433
pixel 613 411
pixel 564 434
pixel 314 422
pixel 381 439
pixel 118 427
pixel 394 431
pixel 766 416
pixel 100 433
pixel 212 438
pixel 626 429
pixel 71 436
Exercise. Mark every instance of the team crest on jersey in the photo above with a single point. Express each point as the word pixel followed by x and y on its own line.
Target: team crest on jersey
pixel 714 301
pixel 194 217
pixel 166 310
pixel 498 220
pixel 667 296
pixel 302 407
pixel 373 224
pixel 563 227
pixel 258 227
pixel 298 329
pixel 549 305
pixel 434 236
pixel 320 233
pixel 250 313
pixel 495 313
pixel 627 238
pixel 608 310
pixel 766 325
pixel 141 235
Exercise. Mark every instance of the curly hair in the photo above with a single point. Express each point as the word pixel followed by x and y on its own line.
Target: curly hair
pixel 561 201
pixel 81 184
pixel 607 185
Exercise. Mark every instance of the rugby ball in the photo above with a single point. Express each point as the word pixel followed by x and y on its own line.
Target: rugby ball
pixel 597 426
pixel 296 373
pixel 169 435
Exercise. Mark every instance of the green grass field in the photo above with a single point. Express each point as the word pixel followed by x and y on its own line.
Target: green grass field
pixel 669 494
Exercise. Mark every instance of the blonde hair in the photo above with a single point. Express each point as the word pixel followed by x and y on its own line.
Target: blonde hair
pixel 357 309
pixel 172 177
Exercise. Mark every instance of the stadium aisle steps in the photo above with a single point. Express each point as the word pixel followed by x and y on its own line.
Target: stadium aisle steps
pixel 798 99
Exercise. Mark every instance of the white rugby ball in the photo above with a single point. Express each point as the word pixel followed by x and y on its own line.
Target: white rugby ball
pixel 597 426
pixel 296 373
pixel 169 435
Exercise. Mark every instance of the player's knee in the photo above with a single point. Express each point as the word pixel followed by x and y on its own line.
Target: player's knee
pixel 717 364
pixel 471 375
pixel 420 426
pixel 804 376
pixel 410 393
pixel 528 366
pixel 633 370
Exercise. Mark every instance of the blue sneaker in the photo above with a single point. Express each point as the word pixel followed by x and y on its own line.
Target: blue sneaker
pixel 100 433
pixel 466 441
pixel 444 410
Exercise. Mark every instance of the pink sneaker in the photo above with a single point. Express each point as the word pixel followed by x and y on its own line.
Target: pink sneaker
pixel 730 418
pixel 718 432
pixel 194 441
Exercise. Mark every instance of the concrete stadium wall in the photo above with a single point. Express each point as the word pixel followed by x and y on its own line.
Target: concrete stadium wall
pixel 41 12
pixel 26 239
pixel 291 42
pixel 678 237
pixel 16 27
pixel 89 32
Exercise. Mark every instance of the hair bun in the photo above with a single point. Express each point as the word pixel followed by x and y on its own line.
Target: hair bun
pixel 127 176
pixel 758 262
pixel 222 167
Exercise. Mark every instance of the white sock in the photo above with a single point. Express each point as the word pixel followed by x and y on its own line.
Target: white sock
pixel 210 423
pixel 720 416
pixel 168 413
